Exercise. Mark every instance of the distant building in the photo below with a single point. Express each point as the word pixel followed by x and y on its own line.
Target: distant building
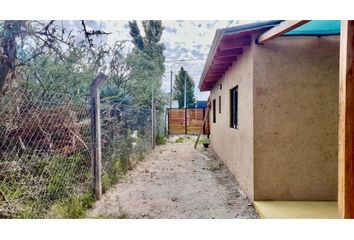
pixel 201 104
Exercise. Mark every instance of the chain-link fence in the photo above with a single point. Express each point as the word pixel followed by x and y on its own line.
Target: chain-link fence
pixel 45 158
pixel 126 137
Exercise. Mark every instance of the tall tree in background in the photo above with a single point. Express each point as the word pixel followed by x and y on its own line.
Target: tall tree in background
pixel 146 62
pixel 134 32
pixel 178 88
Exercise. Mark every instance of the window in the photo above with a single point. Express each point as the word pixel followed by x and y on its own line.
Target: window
pixel 214 111
pixel 234 107
pixel 219 104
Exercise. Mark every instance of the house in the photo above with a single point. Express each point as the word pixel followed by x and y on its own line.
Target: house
pixel 274 92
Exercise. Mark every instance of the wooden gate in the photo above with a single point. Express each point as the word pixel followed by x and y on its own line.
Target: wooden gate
pixel 187 121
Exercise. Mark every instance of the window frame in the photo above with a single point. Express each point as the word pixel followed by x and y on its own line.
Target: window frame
pixel 234 111
pixel 219 104
pixel 214 110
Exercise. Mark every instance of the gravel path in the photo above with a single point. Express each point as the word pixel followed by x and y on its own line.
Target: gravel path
pixel 176 181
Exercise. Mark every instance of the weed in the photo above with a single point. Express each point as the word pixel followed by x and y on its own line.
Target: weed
pixel 180 140
pixel 106 182
pixel 74 207
pixel 112 216
pixel 205 141
pixel 160 140
pixel 113 172
pixel 43 182
pixel 63 176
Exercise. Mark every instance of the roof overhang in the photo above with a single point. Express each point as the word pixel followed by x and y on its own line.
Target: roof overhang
pixel 226 47
pixel 228 43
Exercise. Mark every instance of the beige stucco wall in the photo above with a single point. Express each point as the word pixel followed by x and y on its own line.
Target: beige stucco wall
pixel 235 146
pixel 286 144
pixel 296 118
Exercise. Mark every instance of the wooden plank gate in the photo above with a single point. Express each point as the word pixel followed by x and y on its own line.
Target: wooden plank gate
pixel 187 121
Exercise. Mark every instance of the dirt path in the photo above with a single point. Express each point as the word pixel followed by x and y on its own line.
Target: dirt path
pixel 176 181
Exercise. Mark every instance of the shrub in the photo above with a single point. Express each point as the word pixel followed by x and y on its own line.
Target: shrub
pixel 64 175
pixel 42 182
pixel 161 140
pixel 180 140
pixel 205 141
pixel 113 172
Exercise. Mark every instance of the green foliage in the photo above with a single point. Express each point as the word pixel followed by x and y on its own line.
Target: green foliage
pixel 58 185
pixel 115 94
pixel 135 34
pixel 73 207
pixel 161 140
pixel 113 173
pixel 180 140
pixel 43 183
pixel 153 31
pixel 63 174
pixel 145 77
pixel 48 76
pixel 178 89
pixel 146 62
pixel 115 87
pixel 205 141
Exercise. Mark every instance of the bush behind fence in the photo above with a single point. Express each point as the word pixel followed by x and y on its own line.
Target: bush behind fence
pixel 45 141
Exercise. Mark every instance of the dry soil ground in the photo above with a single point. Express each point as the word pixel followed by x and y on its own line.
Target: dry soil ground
pixel 176 181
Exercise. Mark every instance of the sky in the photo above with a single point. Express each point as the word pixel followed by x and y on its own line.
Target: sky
pixel 189 41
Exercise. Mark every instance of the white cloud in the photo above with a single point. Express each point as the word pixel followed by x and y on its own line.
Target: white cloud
pixel 183 40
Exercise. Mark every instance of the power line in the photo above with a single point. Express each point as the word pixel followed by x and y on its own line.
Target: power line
pixel 186 60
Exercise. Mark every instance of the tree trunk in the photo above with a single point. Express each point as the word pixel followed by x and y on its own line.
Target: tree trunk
pixel 8 51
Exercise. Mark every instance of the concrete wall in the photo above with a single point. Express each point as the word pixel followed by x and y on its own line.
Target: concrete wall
pixel 296 118
pixel 235 146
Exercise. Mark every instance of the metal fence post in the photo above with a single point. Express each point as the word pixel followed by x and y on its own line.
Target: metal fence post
pixel 156 130
pixel 168 121
pixel 152 118
pixel 185 121
pixel 96 161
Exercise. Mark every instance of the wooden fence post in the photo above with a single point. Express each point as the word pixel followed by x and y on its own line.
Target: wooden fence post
pixel 202 128
pixel 96 163
pixel 203 121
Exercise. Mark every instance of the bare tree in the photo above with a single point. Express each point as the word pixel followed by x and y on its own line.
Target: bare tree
pixel 38 36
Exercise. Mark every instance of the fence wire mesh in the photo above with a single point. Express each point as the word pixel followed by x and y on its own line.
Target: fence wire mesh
pixel 45 143
pixel 126 137
pixel 44 158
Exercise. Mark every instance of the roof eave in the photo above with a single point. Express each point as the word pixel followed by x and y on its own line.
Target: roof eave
pixel 220 33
